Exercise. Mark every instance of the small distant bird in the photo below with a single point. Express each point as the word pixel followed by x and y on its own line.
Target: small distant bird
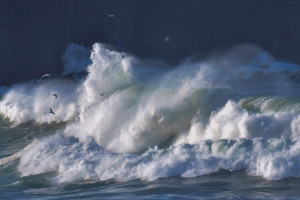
pixel 102 94
pixel 55 95
pixel 51 111
pixel 110 15
pixel 45 76
pixel 167 39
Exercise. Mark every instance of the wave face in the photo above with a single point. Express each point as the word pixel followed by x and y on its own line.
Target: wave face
pixel 133 119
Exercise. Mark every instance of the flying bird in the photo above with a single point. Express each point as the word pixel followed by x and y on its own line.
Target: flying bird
pixel 55 95
pixel 51 111
pixel 110 15
pixel 102 94
pixel 167 39
pixel 45 76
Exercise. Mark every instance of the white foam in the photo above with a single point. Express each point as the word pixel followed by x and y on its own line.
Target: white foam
pixel 74 161
pixel 198 105
pixel 30 102
pixel 233 122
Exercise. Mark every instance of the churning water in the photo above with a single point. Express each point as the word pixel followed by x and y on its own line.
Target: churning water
pixel 224 127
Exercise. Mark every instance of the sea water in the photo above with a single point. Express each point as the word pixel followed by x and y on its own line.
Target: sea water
pixel 225 127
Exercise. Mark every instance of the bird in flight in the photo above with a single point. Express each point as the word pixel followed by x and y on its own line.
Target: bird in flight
pixel 47 76
pixel 110 15
pixel 102 94
pixel 55 95
pixel 51 111
pixel 167 39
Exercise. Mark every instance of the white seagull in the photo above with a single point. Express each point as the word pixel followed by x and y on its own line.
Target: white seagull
pixel 45 76
pixel 110 15
pixel 167 39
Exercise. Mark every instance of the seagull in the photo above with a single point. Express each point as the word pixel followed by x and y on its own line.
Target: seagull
pixel 102 94
pixel 45 76
pixel 55 95
pixel 51 111
pixel 167 39
pixel 110 15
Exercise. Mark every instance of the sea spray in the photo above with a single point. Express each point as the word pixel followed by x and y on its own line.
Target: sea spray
pixel 31 102
pixel 76 59
pixel 125 121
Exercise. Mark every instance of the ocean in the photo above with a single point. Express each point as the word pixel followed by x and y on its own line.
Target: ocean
pixel 113 126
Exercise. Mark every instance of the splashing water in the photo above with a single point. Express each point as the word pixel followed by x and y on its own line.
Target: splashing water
pixel 237 110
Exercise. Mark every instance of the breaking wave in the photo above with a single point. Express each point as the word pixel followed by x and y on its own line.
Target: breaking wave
pixel 129 118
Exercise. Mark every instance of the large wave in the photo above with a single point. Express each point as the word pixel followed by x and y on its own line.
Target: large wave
pixel 129 118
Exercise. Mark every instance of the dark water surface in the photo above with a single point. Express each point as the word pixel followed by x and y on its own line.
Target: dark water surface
pixel 221 185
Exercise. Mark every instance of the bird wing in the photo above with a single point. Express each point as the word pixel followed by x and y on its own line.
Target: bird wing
pixel 51 111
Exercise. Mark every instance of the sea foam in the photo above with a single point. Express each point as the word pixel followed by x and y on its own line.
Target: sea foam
pixel 127 120
pixel 75 161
